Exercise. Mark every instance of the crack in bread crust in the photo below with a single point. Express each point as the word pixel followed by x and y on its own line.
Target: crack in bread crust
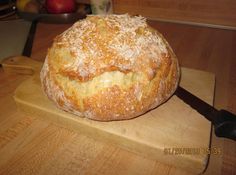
pixel 110 67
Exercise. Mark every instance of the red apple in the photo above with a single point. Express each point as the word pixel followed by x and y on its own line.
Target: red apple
pixel 60 6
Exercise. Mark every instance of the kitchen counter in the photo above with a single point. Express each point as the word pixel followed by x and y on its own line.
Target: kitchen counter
pixel 29 145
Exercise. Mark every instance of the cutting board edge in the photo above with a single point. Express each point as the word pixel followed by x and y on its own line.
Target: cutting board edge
pixel 183 162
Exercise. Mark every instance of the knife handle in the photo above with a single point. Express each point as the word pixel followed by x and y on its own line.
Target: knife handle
pixel 21 65
pixel 225 126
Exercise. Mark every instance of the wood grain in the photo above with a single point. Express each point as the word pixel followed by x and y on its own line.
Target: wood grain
pixel 222 13
pixel 206 49
pixel 147 135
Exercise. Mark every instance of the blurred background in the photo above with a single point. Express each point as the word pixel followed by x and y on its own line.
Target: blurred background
pixel 16 17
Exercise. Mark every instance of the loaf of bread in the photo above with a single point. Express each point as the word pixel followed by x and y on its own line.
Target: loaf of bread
pixel 110 67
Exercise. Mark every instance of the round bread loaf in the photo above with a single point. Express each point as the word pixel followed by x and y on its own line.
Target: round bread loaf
pixel 110 67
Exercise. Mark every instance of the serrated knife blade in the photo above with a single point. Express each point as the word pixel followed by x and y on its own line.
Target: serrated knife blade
pixel 224 122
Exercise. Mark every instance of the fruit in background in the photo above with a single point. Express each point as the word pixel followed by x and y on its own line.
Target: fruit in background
pixel 20 4
pixel 60 6
pixel 31 6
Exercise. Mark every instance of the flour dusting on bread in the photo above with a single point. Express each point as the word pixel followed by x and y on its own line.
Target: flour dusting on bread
pixel 110 67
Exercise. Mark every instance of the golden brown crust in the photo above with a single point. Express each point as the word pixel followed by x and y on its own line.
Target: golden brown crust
pixel 110 68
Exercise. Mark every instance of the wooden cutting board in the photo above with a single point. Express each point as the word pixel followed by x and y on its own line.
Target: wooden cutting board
pixel 161 134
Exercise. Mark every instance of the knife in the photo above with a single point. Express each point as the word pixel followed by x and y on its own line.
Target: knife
pixel 30 39
pixel 224 122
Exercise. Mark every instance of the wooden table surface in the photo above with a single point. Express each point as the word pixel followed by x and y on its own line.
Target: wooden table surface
pixel 29 145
